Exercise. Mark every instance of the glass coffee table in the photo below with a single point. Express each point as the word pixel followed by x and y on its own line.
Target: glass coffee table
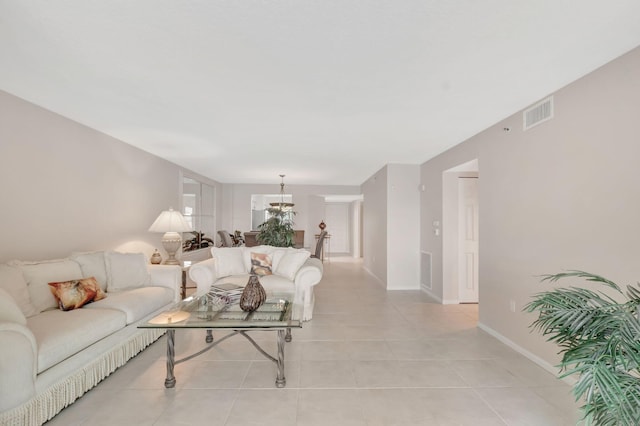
pixel 210 312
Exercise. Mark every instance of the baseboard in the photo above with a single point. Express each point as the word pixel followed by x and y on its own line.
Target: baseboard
pixel 382 284
pixel 437 298
pixel 522 351
pixel 431 294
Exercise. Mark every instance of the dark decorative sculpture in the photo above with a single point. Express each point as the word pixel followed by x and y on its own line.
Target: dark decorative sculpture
pixel 253 295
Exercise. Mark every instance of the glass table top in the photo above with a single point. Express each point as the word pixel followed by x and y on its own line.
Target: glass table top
pixel 211 311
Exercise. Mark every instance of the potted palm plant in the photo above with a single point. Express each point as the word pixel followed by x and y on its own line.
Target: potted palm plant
pixel 278 229
pixel 599 339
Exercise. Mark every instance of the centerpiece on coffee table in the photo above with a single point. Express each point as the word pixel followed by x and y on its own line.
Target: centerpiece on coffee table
pixel 253 295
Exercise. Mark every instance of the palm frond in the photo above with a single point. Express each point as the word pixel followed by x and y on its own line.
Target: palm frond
pixel 633 293
pixel 599 339
pixel 581 274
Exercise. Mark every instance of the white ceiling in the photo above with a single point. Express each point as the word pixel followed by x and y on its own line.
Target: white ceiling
pixel 324 91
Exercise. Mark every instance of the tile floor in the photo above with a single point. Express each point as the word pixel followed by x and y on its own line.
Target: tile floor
pixel 368 358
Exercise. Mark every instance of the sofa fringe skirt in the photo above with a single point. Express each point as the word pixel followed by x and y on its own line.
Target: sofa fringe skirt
pixel 50 402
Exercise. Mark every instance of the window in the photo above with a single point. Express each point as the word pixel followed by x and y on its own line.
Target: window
pixel 198 208
pixel 260 203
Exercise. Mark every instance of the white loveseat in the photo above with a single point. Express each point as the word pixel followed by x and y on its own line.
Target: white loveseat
pixel 288 270
pixel 50 357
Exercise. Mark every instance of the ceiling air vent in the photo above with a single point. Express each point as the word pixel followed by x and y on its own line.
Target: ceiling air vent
pixel 539 113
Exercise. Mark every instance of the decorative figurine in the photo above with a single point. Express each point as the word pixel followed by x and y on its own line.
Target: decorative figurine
pixel 156 258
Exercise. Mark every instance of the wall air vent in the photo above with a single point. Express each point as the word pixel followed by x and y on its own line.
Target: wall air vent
pixel 425 270
pixel 539 113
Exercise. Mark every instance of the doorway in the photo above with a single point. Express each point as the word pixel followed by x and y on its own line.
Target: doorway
pixel 337 219
pixel 460 234
pixel 342 215
pixel 468 239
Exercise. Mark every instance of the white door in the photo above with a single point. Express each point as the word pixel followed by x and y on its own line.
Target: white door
pixel 468 240
pixel 337 221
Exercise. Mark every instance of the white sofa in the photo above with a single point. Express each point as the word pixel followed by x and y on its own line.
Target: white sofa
pixel 288 270
pixel 50 357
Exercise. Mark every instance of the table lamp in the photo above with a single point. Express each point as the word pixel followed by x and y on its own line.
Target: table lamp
pixel 172 223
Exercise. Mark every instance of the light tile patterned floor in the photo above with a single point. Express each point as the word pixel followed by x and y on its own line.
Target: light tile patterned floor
pixel 368 358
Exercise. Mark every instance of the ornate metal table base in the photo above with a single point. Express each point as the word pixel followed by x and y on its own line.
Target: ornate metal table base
pixel 283 336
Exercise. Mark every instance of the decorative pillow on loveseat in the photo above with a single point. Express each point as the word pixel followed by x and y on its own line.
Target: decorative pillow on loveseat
pixel 74 294
pixel 290 261
pixel 260 264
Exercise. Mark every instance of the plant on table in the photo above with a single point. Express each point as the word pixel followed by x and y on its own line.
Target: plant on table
pixel 278 229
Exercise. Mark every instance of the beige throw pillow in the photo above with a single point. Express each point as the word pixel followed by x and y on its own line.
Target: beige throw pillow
pixel 10 311
pixel 229 261
pixel 126 271
pixel 93 265
pixel 38 275
pixel 291 261
pixel 12 281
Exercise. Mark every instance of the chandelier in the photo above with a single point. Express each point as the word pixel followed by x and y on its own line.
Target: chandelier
pixel 281 205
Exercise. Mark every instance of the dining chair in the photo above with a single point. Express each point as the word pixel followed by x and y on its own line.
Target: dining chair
pixel 319 245
pixel 225 238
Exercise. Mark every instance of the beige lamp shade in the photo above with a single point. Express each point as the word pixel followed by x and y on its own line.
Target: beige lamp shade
pixel 172 223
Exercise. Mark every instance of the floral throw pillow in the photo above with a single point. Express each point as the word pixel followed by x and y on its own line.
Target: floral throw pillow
pixel 260 264
pixel 75 294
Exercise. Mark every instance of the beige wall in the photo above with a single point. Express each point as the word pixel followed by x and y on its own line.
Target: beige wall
pixel 403 222
pixel 562 195
pixel 65 187
pixel 391 219
pixel 374 225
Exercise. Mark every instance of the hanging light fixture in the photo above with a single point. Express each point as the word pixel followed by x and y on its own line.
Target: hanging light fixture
pixel 282 205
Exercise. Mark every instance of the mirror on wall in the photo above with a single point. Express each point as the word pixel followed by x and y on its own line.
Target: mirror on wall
pixel 260 204
pixel 198 208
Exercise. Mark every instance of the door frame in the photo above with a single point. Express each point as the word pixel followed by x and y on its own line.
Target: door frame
pixel 450 228
pixel 465 296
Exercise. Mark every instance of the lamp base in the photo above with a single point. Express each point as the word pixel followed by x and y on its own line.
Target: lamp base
pixel 171 241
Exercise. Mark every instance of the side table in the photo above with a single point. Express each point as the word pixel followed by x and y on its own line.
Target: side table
pixel 185 264
pixel 188 259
